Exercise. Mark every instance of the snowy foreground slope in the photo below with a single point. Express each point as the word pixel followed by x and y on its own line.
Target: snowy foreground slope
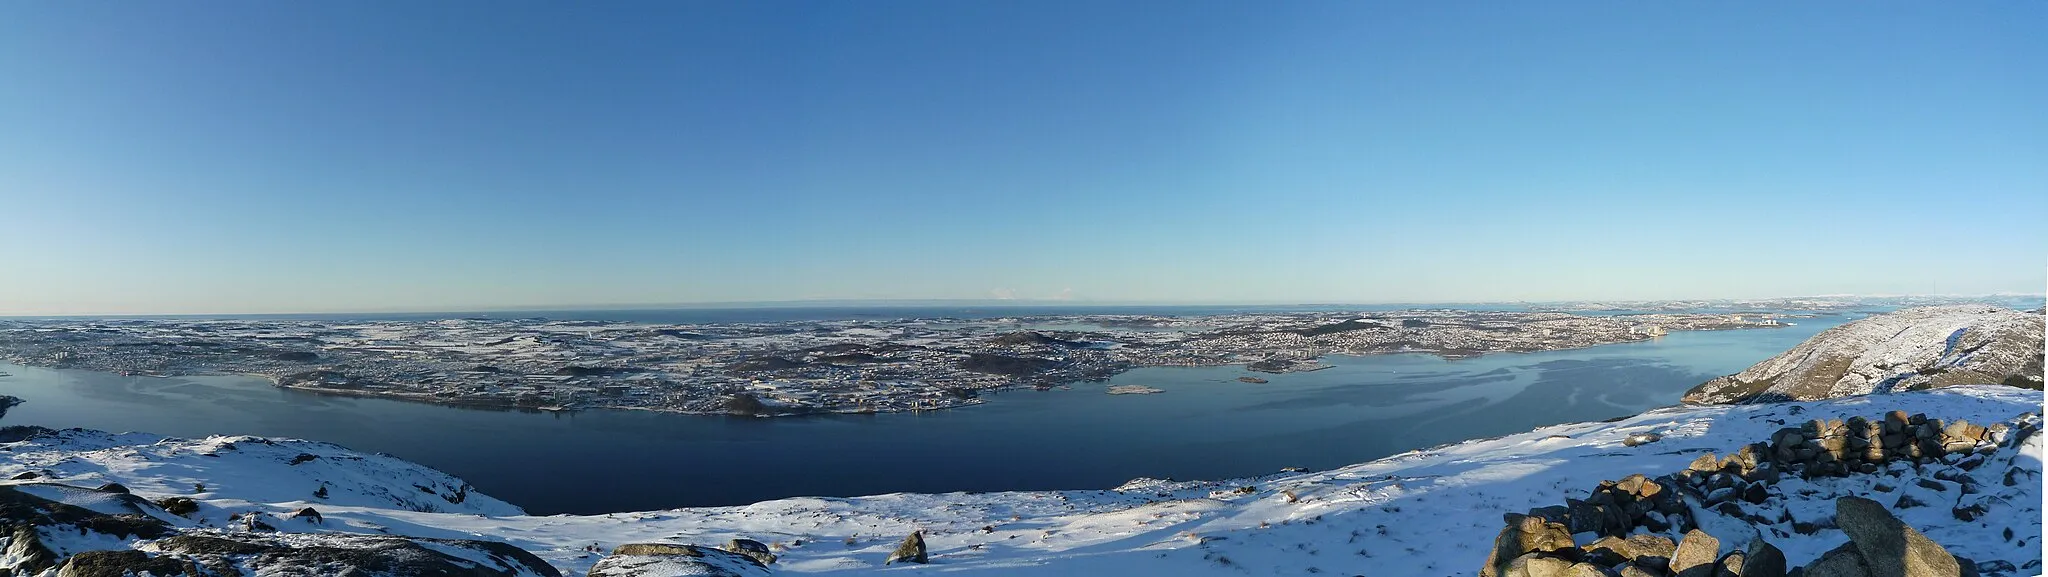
pixel 1432 512
pixel 235 471
pixel 1912 349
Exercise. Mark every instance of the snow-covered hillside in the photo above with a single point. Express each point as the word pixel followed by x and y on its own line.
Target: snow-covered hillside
pixel 235 470
pixel 1911 349
pixel 1431 512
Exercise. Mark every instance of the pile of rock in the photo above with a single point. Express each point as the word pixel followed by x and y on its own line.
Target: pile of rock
pixel 1815 448
pixel 1836 447
pixel 1879 545
pixel 1741 484
pixel 1617 507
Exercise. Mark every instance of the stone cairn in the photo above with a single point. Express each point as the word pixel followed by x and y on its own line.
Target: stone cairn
pixel 1541 543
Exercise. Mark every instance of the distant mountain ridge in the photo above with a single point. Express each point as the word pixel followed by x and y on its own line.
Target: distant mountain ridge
pixel 1912 349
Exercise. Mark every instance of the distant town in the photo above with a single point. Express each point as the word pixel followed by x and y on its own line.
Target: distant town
pixel 787 368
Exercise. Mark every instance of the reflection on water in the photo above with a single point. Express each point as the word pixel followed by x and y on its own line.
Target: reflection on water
pixel 1206 425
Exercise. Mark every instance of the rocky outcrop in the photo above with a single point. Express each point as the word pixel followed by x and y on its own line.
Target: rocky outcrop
pixel 341 553
pixel 43 526
pixel 672 560
pixel 1912 349
pixel 1940 458
pixel 911 550
pixel 751 548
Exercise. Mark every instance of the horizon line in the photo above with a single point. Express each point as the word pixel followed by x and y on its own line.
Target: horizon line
pixel 1016 302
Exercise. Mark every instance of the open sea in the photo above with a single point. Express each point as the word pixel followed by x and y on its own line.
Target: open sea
pixel 1206 425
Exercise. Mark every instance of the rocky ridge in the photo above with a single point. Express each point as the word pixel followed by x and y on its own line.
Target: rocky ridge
pixel 1912 349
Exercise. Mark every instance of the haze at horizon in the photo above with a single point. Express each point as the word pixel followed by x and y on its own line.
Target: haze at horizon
pixel 231 157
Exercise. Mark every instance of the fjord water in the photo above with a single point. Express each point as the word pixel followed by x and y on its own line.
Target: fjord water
pixel 1206 425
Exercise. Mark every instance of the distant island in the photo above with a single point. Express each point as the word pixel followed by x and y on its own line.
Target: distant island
pixel 791 367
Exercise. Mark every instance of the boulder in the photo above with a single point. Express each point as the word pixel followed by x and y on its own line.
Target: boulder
pixel 1887 546
pixel 1695 555
pixel 751 548
pixel 1730 565
pixel 1895 421
pixel 113 488
pixel 1639 439
pixel 912 549
pixel 308 514
pixel 180 506
pixel 1762 559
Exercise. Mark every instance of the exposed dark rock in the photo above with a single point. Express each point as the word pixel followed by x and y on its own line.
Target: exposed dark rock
pixel 670 560
pixel 1996 567
pixel 113 488
pixel 1639 439
pixel 377 555
pixel 125 563
pixel 180 506
pixel 1762 559
pixel 308 514
pixel 25 475
pixel 657 549
pixel 771 363
pixel 304 457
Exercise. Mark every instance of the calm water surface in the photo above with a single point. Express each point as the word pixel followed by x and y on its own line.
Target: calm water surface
pixel 1206 425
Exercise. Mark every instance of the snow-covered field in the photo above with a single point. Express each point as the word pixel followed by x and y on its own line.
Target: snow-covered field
pixel 1431 512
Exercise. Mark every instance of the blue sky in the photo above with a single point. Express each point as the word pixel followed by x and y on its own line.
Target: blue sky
pixel 213 156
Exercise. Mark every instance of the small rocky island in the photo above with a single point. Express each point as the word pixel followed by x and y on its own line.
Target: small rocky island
pixel 787 368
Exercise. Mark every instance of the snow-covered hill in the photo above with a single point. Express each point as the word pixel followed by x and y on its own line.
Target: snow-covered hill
pixel 235 470
pixel 1912 349
pixel 1431 512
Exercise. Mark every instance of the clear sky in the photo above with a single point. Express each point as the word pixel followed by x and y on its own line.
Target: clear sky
pixel 167 157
